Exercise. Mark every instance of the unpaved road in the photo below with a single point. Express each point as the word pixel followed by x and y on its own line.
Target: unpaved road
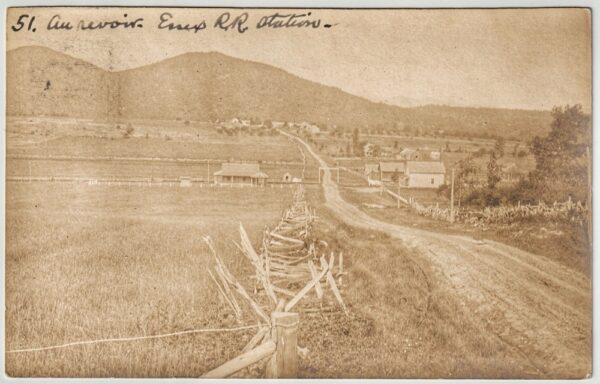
pixel 539 308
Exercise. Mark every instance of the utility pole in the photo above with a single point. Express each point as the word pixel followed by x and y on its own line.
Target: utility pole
pixel 452 199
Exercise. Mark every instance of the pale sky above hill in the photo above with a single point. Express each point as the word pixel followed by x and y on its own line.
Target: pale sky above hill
pixel 527 59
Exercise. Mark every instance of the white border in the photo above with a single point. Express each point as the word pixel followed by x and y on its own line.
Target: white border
pixel 289 4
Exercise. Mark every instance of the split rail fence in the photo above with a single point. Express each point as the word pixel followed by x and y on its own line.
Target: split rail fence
pixel 287 268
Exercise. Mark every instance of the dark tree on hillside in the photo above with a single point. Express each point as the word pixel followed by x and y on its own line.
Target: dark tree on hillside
pixel 466 178
pixel 499 147
pixel 561 156
pixel 493 176
pixel 356 140
pixel 376 150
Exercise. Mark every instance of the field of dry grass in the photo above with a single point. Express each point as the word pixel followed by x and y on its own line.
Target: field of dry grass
pixel 84 138
pixel 403 323
pixel 123 169
pixel 87 262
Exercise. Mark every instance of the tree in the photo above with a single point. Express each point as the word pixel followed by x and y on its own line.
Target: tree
pixel 466 178
pixel 561 156
pixel 376 150
pixel 493 176
pixel 356 141
pixel 128 131
pixel 515 150
pixel 499 147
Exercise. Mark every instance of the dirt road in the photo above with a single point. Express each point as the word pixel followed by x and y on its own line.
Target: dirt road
pixel 541 309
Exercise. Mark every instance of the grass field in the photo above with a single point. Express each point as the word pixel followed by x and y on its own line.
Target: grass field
pixel 88 262
pixel 104 169
pixel 402 322
pixel 170 139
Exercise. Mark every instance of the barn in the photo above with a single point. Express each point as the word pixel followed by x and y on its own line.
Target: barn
pixel 425 174
pixel 240 173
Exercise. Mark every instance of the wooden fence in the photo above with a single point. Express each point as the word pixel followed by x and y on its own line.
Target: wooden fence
pixel 287 267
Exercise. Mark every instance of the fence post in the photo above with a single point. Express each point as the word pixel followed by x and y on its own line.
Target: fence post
pixel 284 363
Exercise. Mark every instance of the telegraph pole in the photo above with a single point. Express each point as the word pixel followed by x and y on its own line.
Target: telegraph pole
pixel 452 199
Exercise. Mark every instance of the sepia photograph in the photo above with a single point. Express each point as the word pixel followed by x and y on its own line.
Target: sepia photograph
pixel 323 193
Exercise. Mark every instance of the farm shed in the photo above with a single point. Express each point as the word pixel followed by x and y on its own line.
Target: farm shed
pixel 241 173
pixel 387 170
pixel 425 174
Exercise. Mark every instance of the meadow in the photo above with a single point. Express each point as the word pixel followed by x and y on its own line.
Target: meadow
pixel 157 139
pixel 87 262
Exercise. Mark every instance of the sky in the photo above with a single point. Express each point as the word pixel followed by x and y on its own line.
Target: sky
pixel 512 58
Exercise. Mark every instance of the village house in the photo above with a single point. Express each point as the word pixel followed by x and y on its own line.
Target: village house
pixel 240 173
pixel 387 170
pixel 309 128
pixel 425 174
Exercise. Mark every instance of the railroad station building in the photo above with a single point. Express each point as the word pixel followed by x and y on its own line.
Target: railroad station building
pixel 240 173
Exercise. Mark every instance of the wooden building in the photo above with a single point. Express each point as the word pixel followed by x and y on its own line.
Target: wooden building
pixel 425 174
pixel 388 169
pixel 240 173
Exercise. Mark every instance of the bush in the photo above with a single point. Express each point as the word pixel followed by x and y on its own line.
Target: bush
pixel 522 153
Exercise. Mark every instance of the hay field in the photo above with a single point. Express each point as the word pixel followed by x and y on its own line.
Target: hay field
pixel 87 262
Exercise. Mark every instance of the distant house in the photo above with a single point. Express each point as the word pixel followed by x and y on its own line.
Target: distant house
pixel 410 154
pixel 388 169
pixel 435 155
pixel 309 128
pixel 241 173
pixel 185 181
pixel 425 174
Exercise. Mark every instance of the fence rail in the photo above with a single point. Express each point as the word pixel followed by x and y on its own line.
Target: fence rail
pixel 286 268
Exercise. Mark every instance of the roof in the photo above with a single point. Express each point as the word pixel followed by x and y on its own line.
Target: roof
pixel 241 169
pixel 425 167
pixel 392 166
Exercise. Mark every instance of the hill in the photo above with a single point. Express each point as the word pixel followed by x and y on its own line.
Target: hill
pixel 209 86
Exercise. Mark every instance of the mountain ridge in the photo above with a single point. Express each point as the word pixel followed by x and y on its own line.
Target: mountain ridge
pixel 212 85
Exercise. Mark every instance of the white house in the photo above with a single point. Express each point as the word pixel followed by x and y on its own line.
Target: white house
pixel 425 174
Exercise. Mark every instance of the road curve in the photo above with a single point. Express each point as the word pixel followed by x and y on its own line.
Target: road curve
pixel 538 307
